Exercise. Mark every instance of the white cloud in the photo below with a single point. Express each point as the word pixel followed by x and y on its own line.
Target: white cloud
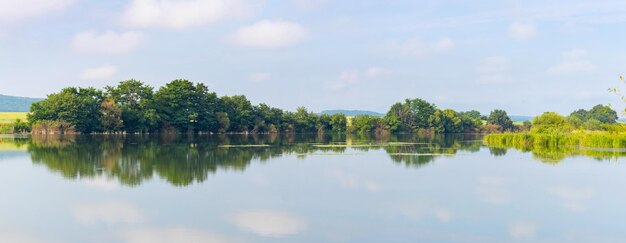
pixel 444 215
pixel 269 223
pixel 170 235
pixel 270 34
pixel 309 4
pixel 444 44
pixel 573 62
pixel 351 77
pixel 107 43
pixel 16 10
pixel 493 70
pixel 16 236
pixel 522 230
pixel 179 14
pixel 108 213
pixel 573 198
pixel 346 79
pixel 99 73
pixel 375 71
pixel 416 48
pixel 259 77
pixel 522 31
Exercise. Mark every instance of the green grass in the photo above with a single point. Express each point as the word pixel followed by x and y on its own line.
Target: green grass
pixel 10 117
pixel 582 139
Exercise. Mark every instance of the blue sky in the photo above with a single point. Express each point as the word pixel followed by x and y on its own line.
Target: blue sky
pixel 522 56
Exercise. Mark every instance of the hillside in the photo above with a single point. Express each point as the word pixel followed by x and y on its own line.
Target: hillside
pixel 521 118
pixel 15 104
pixel 352 112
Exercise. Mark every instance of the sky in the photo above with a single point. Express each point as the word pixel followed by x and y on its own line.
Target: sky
pixel 526 57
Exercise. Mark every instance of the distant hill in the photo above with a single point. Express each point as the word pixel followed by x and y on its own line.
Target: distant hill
pixel 15 104
pixel 352 112
pixel 521 118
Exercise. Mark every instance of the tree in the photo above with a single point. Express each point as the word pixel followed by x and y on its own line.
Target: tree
pixel 447 121
pixel 223 121
pixel 186 107
pixel 397 117
pixel 423 112
pixel 80 107
pixel 134 99
pixel 472 114
pixel 500 118
pixel 240 112
pixel 580 114
pixel 604 114
pixel 305 121
pixel 366 123
pixel 410 116
pixel 550 122
pixel 111 116
pixel 338 123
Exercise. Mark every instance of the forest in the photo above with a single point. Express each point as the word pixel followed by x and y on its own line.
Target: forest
pixel 182 106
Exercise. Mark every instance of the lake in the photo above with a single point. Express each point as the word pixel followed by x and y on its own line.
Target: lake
pixel 300 188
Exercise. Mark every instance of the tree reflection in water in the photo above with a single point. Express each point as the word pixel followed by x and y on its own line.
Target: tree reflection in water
pixel 184 160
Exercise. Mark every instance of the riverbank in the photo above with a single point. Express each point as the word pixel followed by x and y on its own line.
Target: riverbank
pixel 591 139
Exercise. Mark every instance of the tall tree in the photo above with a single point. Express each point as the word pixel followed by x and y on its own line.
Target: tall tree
pixel 80 107
pixel 500 118
pixel 134 99
pixel 186 106
pixel 111 116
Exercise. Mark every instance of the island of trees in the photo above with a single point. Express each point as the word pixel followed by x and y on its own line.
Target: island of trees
pixel 182 106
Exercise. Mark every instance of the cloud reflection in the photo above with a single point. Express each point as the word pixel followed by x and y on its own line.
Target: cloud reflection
pixel 522 230
pixel 269 223
pixel 573 198
pixel 108 213
pixel 102 182
pixel 170 235
pixel 19 237
pixel 353 182
pixel 493 190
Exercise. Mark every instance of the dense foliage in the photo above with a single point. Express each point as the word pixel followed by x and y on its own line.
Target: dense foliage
pixel 182 106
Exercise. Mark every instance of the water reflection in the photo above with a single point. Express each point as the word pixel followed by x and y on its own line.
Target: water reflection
pixel 556 154
pixel 184 160
pixel 269 223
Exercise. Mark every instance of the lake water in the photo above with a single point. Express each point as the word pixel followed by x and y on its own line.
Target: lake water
pixel 306 189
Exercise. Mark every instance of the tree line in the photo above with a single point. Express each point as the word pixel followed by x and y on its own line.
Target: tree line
pixel 182 106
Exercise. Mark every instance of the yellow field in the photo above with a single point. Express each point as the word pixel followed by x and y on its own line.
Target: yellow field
pixel 10 117
pixel 11 147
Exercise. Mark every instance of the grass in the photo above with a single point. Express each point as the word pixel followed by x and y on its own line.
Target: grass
pixel 581 139
pixel 10 117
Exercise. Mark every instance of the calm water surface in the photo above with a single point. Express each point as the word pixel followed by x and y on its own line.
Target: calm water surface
pixel 306 189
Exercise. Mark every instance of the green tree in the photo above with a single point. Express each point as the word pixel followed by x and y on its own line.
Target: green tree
pixel 447 121
pixel 550 122
pixel 500 118
pixel 366 123
pixel 305 121
pixel 134 99
pixel 80 107
pixel 338 123
pixel 186 106
pixel 603 113
pixel 412 115
pixel 111 116
pixel 240 112
pixel 472 114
